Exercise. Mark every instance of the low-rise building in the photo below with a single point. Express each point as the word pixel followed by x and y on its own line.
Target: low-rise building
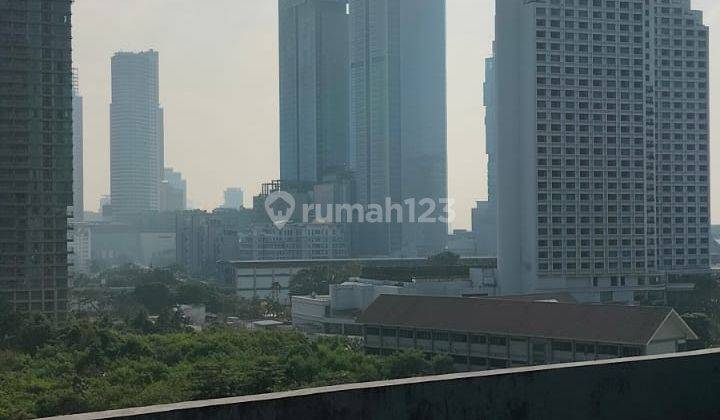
pixel 268 279
pixel 296 241
pixel 202 239
pixel 497 333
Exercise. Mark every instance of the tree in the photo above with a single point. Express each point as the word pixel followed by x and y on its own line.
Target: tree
pixel 703 326
pixel 193 293
pixel 35 332
pixel 11 324
pixel 441 364
pixel 318 279
pixel 406 364
pixel 413 362
pixel 155 297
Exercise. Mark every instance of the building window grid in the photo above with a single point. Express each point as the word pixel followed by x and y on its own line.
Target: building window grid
pixel 555 123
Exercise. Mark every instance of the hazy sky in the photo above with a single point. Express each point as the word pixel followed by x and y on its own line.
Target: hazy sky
pixel 219 89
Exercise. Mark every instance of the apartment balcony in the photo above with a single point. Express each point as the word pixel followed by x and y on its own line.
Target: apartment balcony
pixel 673 386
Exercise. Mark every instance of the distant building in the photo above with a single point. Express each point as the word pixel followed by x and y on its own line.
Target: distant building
pixel 484 215
pixel 203 239
pixel 715 251
pixel 146 240
pixel 36 155
pixel 333 189
pixel 173 191
pixel 234 198
pixel 484 228
pixel 296 241
pixel 462 242
pixel 493 334
pixel 136 133
pixel 314 68
pixel 82 248
pixel 603 164
pixel 78 196
pixel 265 279
pixel 398 121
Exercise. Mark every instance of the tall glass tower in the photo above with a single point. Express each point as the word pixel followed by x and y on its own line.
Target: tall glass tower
pixel 398 118
pixel 313 89
pixel 136 133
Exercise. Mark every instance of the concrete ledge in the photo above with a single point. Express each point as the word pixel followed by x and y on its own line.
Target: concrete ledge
pixel 677 386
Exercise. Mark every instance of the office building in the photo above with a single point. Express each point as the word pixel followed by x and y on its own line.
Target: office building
pixel 234 198
pixel 398 121
pixel 36 155
pixel 136 133
pixel 173 191
pixel 603 161
pixel 313 40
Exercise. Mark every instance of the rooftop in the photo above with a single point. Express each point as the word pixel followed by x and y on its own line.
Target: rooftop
pixel 634 325
pixel 474 262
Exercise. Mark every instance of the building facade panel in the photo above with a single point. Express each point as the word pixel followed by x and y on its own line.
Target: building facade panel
pixel 36 154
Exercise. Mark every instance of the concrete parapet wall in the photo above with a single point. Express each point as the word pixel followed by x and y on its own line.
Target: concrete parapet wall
pixel 676 386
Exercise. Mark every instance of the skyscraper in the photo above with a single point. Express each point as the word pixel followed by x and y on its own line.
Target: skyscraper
pixel 484 215
pixel 398 118
pixel 136 133
pixel 36 160
pixel 77 110
pixel 313 88
pixel 603 145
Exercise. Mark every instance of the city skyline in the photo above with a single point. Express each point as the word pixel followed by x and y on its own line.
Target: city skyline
pixel 247 30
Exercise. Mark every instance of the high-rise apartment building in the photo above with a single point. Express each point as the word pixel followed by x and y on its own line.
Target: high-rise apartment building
pixel 36 154
pixel 313 88
pixel 78 185
pixel 398 121
pixel 136 133
pixel 603 145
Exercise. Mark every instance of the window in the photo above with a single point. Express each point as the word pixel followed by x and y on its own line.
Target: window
pixel 478 339
pixel 608 350
pixel 498 341
pixel 562 346
pixel 372 331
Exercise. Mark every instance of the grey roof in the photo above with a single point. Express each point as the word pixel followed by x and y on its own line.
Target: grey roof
pixel 472 262
pixel 634 325
pixel 561 297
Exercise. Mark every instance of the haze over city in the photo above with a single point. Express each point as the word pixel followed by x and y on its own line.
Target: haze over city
pixel 359 209
pixel 219 89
